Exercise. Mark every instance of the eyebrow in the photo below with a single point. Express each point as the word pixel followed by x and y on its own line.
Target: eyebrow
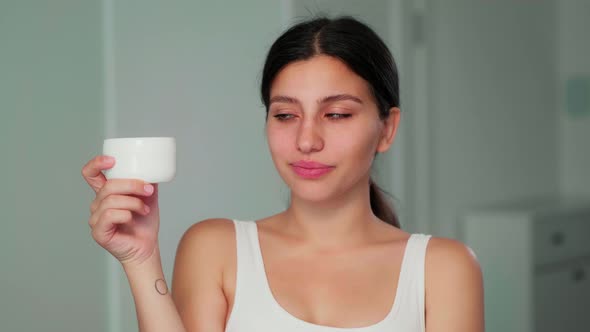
pixel 327 99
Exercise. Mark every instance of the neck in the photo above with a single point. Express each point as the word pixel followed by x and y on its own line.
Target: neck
pixel 341 221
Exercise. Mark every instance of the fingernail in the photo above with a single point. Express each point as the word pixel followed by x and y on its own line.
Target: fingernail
pixel 108 159
pixel 146 208
pixel 148 188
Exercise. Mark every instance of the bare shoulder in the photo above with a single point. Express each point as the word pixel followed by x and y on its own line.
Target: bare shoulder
pixel 219 226
pixel 205 250
pixel 444 253
pixel 449 262
pixel 453 287
pixel 209 240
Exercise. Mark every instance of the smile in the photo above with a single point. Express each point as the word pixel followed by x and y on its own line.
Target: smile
pixel 311 173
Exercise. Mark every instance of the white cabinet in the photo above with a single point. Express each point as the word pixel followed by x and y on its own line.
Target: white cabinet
pixel 535 259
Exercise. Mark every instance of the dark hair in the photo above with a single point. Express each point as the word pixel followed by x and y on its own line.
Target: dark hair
pixel 361 49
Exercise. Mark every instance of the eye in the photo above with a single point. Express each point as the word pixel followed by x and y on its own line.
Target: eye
pixel 283 117
pixel 336 116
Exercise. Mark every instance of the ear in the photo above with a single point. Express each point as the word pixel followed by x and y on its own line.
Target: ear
pixel 389 129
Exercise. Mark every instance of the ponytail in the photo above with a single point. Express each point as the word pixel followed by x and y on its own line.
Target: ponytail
pixel 380 206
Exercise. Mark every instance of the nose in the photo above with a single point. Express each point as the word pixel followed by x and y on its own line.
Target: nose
pixel 309 138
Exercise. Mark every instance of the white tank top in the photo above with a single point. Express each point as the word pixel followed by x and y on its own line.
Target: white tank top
pixel 256 310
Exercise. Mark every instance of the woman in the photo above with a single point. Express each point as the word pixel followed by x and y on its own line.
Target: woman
pixel 336 258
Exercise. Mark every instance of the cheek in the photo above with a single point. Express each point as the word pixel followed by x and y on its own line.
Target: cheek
pixel 279 141
pixel 356 142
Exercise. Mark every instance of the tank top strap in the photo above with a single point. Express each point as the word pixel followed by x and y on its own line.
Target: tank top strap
pixel 414 277
pixel 248 258
pixel 416 253
pixel 245 252
pixel 249 284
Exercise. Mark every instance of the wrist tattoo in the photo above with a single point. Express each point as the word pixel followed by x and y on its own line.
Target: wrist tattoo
pixel 161 287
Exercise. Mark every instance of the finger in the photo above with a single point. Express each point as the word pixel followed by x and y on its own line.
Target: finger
pixel 107 223
pixel 122 202
pixel 92 171
pixel 124 187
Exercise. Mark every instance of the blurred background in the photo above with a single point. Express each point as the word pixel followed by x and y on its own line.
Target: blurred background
pixel 493 147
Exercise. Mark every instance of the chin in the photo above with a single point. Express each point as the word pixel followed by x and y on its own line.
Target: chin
pixel 313 190
pixel 310 194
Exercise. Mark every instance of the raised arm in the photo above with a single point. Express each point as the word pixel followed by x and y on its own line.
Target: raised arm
pixel 453 287
pixel 154 306
pixel 125 219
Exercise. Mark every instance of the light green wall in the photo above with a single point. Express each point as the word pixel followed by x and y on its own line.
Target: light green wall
pixel 191 69
pixel 574 62
pixel 52 275
pixel 492 76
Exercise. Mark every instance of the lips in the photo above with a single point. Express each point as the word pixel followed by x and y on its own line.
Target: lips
pixel 310 169
pixel 309 164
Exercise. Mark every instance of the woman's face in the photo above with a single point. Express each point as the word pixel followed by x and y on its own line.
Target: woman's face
pixel 321 111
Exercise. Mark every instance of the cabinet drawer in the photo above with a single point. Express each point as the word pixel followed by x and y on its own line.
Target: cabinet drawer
pixel 562 238
pixel 562 298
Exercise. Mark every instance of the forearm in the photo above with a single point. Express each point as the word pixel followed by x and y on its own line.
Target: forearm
pixel 155 309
